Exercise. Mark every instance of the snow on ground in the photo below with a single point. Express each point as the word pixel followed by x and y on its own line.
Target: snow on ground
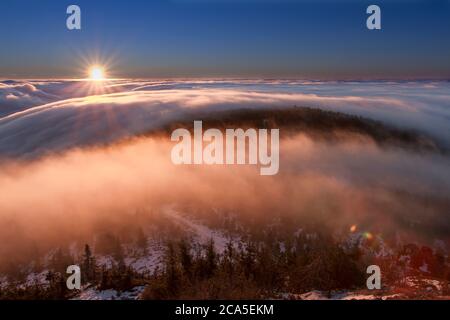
pixel 357 239
pixel 424 267
pixel 152 258
pixel 354 296
pixel 313 295
pixel 143 262
pixel 345 295
pixel 106 261
pixel 149 261
pixel 110 294
pixel 3 281
pixel 432 284
pixel 435 283
pixel 154 254
pixel 318 295
pixel 35 278
pixel 201 232
pixel 32 279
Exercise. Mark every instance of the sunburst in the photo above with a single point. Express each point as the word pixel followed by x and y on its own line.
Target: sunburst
pixel 97 73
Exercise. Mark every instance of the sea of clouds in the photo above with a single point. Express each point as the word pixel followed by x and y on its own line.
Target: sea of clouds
pixel 57 197
pixel 37 116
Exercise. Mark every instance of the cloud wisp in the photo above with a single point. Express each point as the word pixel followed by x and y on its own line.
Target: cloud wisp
pixel 90 115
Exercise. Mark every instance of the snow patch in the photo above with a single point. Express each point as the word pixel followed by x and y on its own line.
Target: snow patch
pixel 202 232
pixel 110 294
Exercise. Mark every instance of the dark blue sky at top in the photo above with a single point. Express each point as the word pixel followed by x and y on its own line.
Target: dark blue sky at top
pixel 220 38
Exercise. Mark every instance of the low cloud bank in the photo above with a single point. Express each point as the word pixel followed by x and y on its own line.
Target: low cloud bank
pixel 91 113
pixel 58 198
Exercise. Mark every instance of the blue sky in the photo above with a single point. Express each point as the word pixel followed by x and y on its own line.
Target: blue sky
pixel 218 38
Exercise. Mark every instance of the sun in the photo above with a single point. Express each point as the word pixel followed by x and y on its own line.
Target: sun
pixel 96 73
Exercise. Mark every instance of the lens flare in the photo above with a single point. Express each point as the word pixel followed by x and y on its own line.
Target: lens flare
pixel 367 235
